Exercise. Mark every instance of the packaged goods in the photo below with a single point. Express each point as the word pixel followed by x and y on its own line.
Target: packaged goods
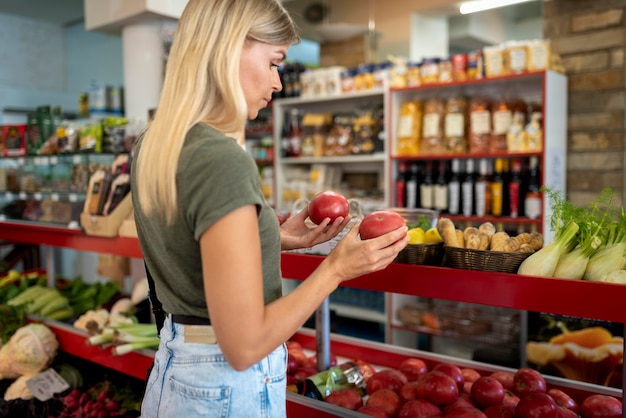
pixel 516 57
pixel 364 131
pixel 479 125
pixel 446 71
pixel 39 127
pixel 538 55
pixel 398 74
pixel 364 79
pixel 516 140
pixel 455 125
pixel 432 127
pixel 534 132
pixel 413 77
pixel 494 61
pixel 306 84
pixel 409 128
pixel 333 80
pixel 459 67
pixel 314 133
pixel 475 65
pixel 502 117
pixel 381 75
pixel 429 71
pixel 14 140
pixel 339 136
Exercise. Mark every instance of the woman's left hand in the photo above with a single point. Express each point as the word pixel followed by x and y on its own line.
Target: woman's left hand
pixel 295 233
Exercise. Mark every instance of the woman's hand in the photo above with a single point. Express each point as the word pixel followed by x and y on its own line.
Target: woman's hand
pixel 354 257
pixel 295 233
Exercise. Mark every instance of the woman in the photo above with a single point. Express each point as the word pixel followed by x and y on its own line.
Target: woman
pixel 209 239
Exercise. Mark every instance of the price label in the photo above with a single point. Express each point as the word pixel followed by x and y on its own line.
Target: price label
pixel 73 198
pixel 20 161
pixel 8 196
pixel 54 197
pixel 37 196
pixel 53 160
pixel 22 196
pixel 39 161
pixel 77 159
pixel 46 384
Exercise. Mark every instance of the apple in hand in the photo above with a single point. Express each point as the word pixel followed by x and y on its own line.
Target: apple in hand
pixel 386 399
pixel 563 399
pixel 346 398
pixel 536 405
pixel 527 381
pixel 487 391
pixel 419 408
pixel 413 368
pixel 328 204
pixel 601 406
pixel 379 223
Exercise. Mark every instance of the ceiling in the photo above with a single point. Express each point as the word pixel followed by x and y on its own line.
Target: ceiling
pixel 69 12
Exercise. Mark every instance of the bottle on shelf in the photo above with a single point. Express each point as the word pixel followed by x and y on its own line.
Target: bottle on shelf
pixel 401 186
pixel 427 187
pixel 480 188
pixel 440 189
pixel 497 188
pixel 454 188
pixel 294 148
pixel 515 187
pixel 467 189
pixel 412 185
pixel 532 199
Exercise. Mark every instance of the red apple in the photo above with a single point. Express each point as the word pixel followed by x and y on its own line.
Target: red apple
pixel 408 391
pixel 437 387
pixel 345 398
pixel 373 411
pixel 386 379
pixel 469 374
pixel 419 408
pixel 510 399
pixel 413 368
pixel 366 369
pixel 506 378
pixel 527 381
pixel 487 391
pixel 386 399
pixel 293 345
pixel 562 412
pixel 499 411
pixel 460 402
pixel 328 204
pixel 601 406
pixel 453 371
pixel 466 413
pixel 563 399
pixel 536 405
pixel 379 223
pixel 303 372
pixel 467 387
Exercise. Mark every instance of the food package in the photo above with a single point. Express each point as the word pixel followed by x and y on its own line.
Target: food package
pixel 502 118
pixel 494 61
pixel 455 125
pixel 339 136
pixel 364 132
pixel 432 127
pixel 409 128
pixel 588 355
pixel 479 125
pixel 314 132
pixel 14 140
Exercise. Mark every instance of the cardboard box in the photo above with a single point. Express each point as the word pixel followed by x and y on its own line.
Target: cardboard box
pixel 107 226
pixel 128 227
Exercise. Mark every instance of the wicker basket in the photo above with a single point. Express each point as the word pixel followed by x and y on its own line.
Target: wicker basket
pixel 423 254
pixel 483 260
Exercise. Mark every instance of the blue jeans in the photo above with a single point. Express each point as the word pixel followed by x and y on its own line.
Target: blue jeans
pixel 194 380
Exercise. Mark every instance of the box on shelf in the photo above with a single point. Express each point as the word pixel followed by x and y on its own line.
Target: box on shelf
pixel 107 226
pixel 128 227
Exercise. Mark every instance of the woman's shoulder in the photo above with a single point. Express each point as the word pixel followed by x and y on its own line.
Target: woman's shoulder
pixel 202 136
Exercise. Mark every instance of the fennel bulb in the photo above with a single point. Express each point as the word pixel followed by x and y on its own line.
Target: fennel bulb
pixel 616 276
pixel 544 261
pixel 571 265
pixel 609 258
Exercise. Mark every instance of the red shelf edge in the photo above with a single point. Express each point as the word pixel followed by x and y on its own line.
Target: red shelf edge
pixel 74 342
pixel 577 298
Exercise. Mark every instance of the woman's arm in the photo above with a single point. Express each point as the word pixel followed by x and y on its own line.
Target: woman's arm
pixel 247 329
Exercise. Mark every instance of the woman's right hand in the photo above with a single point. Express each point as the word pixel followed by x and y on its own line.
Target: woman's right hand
pixel 353 257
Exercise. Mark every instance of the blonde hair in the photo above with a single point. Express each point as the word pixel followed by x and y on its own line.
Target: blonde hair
pixel 202 85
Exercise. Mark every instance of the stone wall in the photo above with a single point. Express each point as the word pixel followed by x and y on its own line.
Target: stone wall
pixel 590 37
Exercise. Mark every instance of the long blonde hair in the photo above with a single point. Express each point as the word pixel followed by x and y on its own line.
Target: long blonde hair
pixel 202 85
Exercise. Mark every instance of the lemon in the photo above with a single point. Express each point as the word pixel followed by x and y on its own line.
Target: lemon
pixel 432 236
pixel 416 236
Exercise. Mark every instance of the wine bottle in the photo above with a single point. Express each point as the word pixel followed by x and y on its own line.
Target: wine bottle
pixel 532 200
pixel 515 187
pixel 426 187
pixel 401 186
pixel 454 188
pixel 412 184
pixel 467 189
pixel 497 188
pixel 440 189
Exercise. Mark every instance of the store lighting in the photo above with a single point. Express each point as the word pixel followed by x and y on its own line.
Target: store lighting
pixel 481 5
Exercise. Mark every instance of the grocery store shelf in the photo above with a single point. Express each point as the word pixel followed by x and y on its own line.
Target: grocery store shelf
pixel 339 98
pixel 356 312
pixel 74 238
pixel 74 341
pixel 577 298
pixel 365 158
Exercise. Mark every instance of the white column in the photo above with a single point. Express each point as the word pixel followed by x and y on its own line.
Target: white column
pixel 429 37
pixel 142 47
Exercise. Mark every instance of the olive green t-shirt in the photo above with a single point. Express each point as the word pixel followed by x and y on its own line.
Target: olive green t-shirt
pixel 215 176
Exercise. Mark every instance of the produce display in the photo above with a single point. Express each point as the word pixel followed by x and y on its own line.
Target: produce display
pixel 419 388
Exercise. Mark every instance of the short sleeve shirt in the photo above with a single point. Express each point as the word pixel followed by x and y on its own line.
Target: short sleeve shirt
pixel 215 176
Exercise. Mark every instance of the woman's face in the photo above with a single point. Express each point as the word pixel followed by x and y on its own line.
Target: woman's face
pixel 258 73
